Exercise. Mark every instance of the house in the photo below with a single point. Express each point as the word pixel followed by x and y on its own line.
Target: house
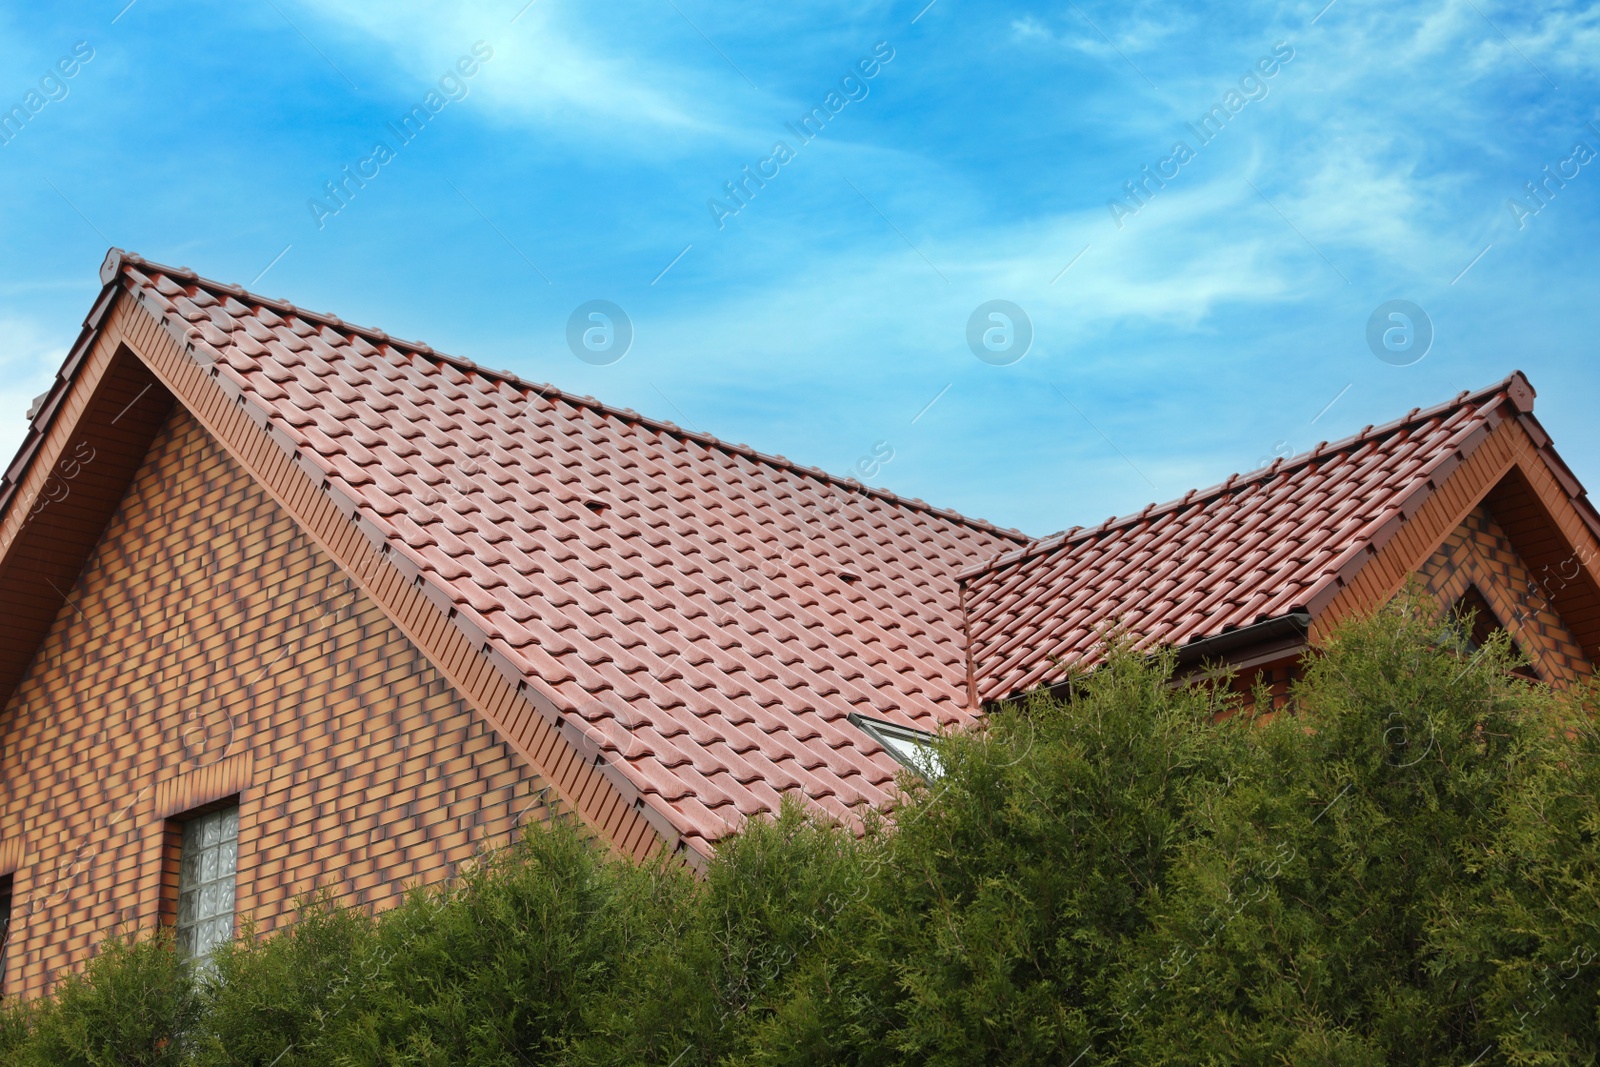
pixel 289 603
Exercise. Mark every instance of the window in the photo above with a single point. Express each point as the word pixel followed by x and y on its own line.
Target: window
pixel 912 748
pixel 208 864
pixel 1484 623
pixel 5 923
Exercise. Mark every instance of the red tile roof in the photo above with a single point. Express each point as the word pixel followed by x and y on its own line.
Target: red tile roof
pixel 1256 547
pixel 711 615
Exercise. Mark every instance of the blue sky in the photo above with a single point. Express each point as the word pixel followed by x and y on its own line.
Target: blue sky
pixel 1223 321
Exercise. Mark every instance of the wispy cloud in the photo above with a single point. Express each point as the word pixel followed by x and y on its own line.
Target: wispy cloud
pixel 556 66
pixel 1218 321
pixel 28 363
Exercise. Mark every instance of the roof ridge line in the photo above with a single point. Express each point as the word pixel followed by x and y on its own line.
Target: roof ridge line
pixel 116 257
pixel 1237 480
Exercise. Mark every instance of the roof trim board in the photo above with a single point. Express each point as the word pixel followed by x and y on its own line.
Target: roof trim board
pixel 46 438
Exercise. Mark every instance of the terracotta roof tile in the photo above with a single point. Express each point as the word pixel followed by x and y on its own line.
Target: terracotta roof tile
pixel 698 618
pixel 1257 546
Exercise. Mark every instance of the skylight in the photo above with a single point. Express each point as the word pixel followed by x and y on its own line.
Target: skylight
pixel 915 749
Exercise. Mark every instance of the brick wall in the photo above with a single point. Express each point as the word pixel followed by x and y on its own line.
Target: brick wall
pixel 210 649
pixel 1479 553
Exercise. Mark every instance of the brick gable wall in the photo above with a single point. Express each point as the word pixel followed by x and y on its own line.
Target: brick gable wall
pixel 1480 554
pixel 1477 553
pixel 208 649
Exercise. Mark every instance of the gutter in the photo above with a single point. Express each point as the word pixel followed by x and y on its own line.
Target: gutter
pixel 1283 634
pixel 1267 640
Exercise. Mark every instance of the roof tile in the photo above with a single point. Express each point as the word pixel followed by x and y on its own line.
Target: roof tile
pixel 1262 544
pixel 682 615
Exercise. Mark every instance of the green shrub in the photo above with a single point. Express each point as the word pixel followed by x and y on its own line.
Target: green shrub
pixel 134 1005
pixel 1002 903
pixel 1401 867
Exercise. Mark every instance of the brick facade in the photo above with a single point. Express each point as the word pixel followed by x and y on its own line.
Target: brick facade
pixel 1480 554
pixel 208 650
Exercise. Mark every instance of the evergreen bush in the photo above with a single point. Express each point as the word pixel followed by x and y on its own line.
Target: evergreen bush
pixel 1400 866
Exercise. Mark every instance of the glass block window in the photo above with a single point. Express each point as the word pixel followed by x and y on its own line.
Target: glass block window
pixel 207 866
pixel 5 923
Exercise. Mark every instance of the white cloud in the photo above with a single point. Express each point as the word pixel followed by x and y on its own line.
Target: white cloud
pixel 27 366
pixel 1359 191
pixel 559 66
pixel 1472 36
pixel 1124 33
pixel 1569 41
pixel 1172 263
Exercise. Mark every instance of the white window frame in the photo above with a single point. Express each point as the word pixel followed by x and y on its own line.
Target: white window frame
pixel 911 748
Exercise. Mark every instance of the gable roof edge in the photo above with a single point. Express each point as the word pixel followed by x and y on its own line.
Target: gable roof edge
pixel 519 712
pixel 1563 473
pixel 1431 479
pixel 49 403
pixel 1516 385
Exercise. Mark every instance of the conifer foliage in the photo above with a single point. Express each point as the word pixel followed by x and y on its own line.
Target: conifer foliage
pixel 1400 866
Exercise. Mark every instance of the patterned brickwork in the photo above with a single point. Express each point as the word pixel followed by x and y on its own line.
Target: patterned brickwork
pixel 210 649
pixel 1477 554
pixel 1480 554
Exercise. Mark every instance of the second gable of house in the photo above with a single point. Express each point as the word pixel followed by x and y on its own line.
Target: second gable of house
pixel 1478 567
